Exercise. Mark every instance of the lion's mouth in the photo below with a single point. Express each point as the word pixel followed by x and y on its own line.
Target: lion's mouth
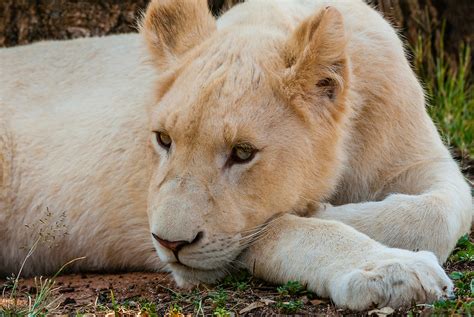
pixel 206 264
pixel 200 264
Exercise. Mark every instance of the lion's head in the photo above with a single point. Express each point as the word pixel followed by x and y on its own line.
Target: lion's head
pixel 248 124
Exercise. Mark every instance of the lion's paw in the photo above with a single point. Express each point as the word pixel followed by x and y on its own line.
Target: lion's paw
pixel 396 279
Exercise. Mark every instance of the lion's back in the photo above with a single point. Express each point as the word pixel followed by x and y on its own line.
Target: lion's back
pixel 45 73
pixel 73 121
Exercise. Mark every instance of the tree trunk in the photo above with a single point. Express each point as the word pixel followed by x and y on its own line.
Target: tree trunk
pixel 26 21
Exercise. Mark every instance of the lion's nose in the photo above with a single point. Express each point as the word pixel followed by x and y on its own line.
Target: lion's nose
pixel 175 246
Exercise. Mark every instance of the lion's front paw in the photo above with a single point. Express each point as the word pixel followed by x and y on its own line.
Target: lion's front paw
pixel 397 278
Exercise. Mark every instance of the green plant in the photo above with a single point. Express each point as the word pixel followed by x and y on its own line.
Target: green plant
pixel 450 90
pixel 218 298
pixel 290 307
pixel 175 311
pixel 453 307
pixel 464 283
pixel 197 302
pixel 291 288
pixel 115 306
pixel 41 301
pixel 463 304
pixel 149 309
pixel 221 312
pixel 239 281
pixel 141 305
pixel 464 250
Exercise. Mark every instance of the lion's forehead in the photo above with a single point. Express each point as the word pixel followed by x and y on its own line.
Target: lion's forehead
pixel 233 97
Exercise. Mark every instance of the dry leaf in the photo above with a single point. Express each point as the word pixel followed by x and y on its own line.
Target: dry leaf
pixel 267 301
pixel 317 302
pixel 382 312
pixel 251 307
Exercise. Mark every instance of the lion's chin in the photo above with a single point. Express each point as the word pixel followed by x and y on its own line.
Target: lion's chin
pixel 188 277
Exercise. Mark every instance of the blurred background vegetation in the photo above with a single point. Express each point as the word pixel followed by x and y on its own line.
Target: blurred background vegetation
pixel 438 36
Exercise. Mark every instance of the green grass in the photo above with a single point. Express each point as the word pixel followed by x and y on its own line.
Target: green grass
pixel 463 303
pixel 291 288
pixel 287 304
pixel 239 281
pixel 450 91
pixel 449 86
pixel 464 251
pixel 221 312
pixel 39 303
pixel 42 300
pixel 229 297
pixel 290 307
pixel 142 306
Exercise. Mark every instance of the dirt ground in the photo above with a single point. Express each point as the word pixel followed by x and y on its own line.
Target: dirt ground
pixel 88 292
pixel 132 291
pixel 156 294
pixel 135 292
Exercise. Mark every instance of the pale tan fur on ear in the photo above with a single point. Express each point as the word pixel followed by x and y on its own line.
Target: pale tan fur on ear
pixel 173 27
pixel 317 63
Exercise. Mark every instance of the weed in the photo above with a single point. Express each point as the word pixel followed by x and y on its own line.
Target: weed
pixel 453 307
pixel 289 307
pixel 218 298
pixel 464 283
pixel 114 304
pixel 450 90
pixel 463 304
pixel 464 250
pixel 143 305
pixel 148 309
pixel 41 302
pixel 221 312
pixel 175 311
pixel 239 281
pixel 291 288
pixel 197 303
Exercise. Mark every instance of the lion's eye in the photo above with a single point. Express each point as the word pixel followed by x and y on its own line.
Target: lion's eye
pixel 163 139
pixel 242 153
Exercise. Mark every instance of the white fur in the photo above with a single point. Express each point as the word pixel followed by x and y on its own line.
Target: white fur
pixel 74 133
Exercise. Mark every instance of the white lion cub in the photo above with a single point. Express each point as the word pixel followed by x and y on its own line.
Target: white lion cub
pixel 288 137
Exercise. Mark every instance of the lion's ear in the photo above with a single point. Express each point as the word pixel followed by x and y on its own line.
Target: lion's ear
pixel 172 27
pixel 317 67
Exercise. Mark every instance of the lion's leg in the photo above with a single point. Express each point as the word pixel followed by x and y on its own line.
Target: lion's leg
pixel 336 261
pixel 434 212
